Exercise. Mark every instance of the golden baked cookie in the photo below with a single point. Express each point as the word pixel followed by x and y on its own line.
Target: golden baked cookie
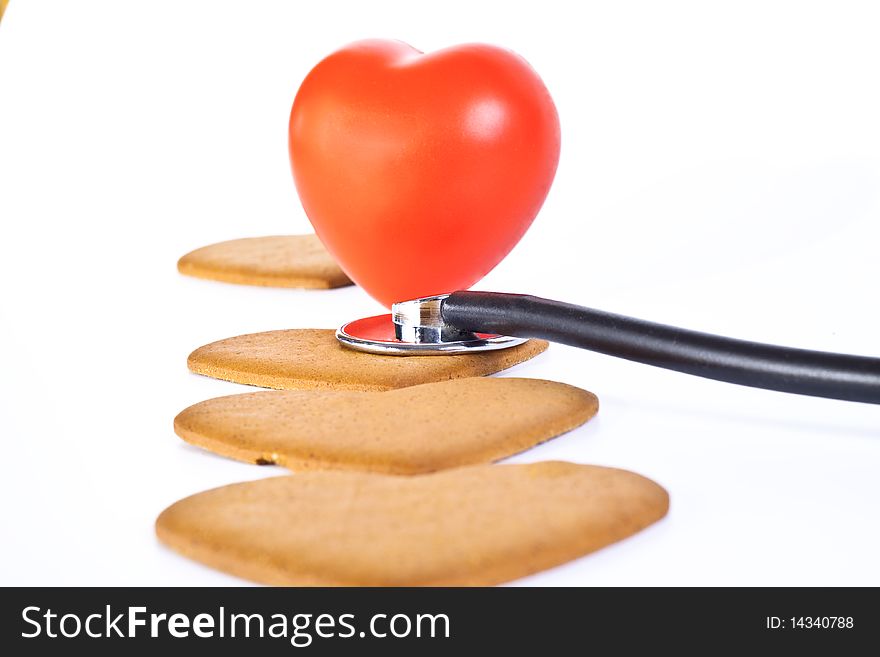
pixel 477 525
pixel 423 428
pixel 277 261
pixel 313 358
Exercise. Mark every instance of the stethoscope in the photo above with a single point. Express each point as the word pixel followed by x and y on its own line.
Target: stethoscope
pixel 471 322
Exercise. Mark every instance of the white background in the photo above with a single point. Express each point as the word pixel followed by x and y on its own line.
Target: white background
pixel 720 170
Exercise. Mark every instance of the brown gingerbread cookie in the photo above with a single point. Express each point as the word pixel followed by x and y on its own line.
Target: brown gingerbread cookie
pixel 423 428
pixel 277 261
pixel 476 525
pixel 313 358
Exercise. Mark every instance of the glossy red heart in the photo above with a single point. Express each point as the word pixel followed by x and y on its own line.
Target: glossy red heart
pixel 420 172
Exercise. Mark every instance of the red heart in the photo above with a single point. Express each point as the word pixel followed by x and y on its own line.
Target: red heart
pixel 421 172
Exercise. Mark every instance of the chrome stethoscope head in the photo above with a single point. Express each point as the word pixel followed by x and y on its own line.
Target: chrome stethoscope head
pixel 417 328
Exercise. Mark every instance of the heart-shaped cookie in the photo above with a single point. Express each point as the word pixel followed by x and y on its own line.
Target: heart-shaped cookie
pixel 412 430
pixel 275 261
pixel 478 525
pixel 313 358
pixel 420 172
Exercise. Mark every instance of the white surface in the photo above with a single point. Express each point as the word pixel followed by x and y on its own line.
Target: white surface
pixel 720 171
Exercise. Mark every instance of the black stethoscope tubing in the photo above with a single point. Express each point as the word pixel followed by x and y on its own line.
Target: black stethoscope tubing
pixel 786 369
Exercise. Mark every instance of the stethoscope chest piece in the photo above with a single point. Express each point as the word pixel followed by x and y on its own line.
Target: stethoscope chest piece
pixel 416 328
